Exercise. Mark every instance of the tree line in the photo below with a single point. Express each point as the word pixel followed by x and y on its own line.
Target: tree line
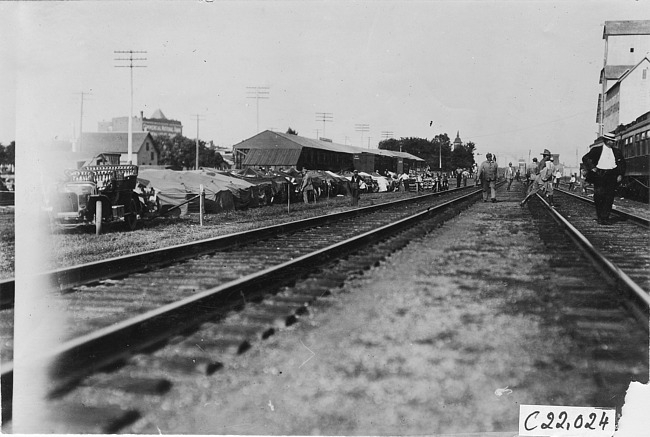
pixel 433 150
pixel 8 154
pixel 180 152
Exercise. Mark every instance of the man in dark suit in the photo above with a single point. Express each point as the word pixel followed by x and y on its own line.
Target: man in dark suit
pixel 355 185
pixel 605 168
pixel 487 173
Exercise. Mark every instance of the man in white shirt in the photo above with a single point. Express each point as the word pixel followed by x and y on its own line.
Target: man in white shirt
pixel 605 168
pixel 510 174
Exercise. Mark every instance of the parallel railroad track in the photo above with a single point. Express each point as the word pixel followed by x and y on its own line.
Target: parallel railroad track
pixel 229 318
pixel 621 251
pixel 150 297
pixel 608 312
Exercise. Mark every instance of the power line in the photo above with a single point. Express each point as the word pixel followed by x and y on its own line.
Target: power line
pixel 386 135
pixel 131 65
pixel 364 127
pixel 324 117
pixel 258 93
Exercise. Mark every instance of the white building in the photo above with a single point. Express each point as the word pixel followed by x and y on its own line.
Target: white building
pixel 628 97
pixel 626 44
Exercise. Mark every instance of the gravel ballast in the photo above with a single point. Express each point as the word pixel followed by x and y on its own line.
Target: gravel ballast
pixel 449 335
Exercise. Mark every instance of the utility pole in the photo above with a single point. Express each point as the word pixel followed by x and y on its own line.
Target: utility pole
pixel 198 117
pixel 362 128
pixel 324 117
pixel 257 93
pixel 130 66
pixel 81 120
pixel 439 149
pixel 385 135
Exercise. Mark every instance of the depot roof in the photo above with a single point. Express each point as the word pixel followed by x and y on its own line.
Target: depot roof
pixel 283 145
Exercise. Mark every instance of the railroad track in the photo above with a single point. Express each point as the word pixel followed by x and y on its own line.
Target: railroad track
pixel 620 251
pixel 168 292
pixel 230 318
pixel 607 312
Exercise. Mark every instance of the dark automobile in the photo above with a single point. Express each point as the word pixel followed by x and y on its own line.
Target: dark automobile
pixel 98 195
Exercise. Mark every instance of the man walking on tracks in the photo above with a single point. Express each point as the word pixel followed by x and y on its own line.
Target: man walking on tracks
pixel 543 180
pixel 605 168
pixel 531 173
pixel 487 173
pixel 510 174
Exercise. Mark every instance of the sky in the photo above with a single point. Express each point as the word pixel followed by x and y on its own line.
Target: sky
pixel 514 77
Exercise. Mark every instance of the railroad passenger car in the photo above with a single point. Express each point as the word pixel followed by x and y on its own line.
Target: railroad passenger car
pixel 633 140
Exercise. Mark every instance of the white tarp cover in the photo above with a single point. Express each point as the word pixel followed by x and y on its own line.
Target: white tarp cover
pixel 175 187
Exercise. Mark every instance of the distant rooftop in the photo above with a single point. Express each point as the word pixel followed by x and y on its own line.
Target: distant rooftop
pixel 158 114
pixel 633 27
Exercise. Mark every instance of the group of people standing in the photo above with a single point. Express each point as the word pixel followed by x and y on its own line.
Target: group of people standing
pixel 604 167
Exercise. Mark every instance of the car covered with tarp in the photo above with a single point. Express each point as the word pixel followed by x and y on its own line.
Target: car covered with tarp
pixel 329 184
pixel 273 186
pixel 178 190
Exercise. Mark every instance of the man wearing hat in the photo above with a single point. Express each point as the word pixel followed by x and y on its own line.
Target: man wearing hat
pixel 487 173
pixel 355 185
pixel 605 168
pixel 544 178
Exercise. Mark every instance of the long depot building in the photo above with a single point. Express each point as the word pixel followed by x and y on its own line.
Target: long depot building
pixel 275 150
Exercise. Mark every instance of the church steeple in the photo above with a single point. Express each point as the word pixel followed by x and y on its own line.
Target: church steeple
pixel 457 141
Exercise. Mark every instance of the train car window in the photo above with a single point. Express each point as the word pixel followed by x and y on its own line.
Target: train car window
pixel 630 146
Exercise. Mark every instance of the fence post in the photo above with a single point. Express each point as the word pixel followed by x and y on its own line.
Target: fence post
pixel 288 197
pixel 201 204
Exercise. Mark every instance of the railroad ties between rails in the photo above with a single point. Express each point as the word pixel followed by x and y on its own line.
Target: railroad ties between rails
pixel 253 306
pixel 157 295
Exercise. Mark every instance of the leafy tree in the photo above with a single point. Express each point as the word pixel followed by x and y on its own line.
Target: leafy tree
pixel 429 150
pixel 180 151
pixel 291 131
pixel 463 156
pixel 8 154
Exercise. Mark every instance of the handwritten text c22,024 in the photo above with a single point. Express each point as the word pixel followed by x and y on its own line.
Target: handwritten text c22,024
pixel 554 420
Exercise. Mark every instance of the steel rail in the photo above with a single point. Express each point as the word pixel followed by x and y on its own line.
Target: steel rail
pixel 625 215
pixel 79 357
pixel 611 271
pixel 69 277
